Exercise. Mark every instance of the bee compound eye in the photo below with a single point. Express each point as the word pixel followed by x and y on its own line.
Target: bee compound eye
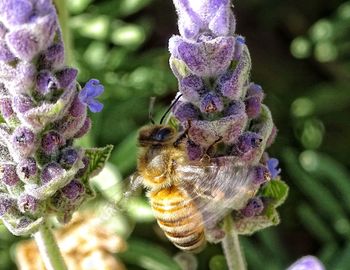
pixel 162 134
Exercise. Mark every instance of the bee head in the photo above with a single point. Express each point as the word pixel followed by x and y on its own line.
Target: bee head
pixel 156 135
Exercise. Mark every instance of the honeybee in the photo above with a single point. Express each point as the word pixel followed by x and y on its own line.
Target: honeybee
pixel 187 197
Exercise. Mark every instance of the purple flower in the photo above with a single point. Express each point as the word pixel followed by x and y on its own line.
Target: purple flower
pixel 87 95
pixel 272 165
pixel 307 263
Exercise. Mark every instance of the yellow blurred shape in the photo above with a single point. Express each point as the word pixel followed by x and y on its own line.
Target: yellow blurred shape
pixel 85 243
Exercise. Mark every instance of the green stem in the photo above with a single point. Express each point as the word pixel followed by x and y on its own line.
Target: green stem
pixel 49 250
pixel 63 17
pixel 232 249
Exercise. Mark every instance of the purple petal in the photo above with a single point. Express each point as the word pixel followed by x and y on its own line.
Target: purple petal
pixel 272 164
pixel 95 106
pixel 92 89
pixel 307 263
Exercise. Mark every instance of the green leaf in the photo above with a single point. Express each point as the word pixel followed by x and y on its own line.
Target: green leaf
pixel 148 256
pixel 276 190
pixel 97 160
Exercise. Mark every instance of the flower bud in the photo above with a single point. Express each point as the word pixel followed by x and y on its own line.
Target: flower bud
pixel 27 204
pixel 231 84
pixel 260 174
pixel 46 82
pixel 53 57
pixel 84 129
pixel 195 55
pixel 22 103
pixel 16 12
pixel 253 107
pixel 6 203
pixel 51 141
pixel 235 107
pixel 5 54
pixel 6 108
pixel 191 87
pixel 239 45
pixel 66 77
pixel 246 142
pixel 254 207
pixel 50 172
pixel 8 174
pixel 68 157
pixel 253 100
pixel 185 111
pixel 23 141
pixel 77 108
pixel 73 190
pixel 27 170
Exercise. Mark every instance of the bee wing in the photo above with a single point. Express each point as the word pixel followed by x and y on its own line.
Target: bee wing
pixel 218 187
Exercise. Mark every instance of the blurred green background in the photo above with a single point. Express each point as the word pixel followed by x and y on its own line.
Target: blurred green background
pixel 301 57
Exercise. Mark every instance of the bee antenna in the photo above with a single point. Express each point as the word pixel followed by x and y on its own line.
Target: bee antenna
pixel 151 109
pixel 170 107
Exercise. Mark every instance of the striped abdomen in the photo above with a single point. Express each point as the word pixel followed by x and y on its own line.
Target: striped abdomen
pixel 179 218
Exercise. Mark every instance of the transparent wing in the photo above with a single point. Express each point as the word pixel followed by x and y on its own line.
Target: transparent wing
pixel 217 188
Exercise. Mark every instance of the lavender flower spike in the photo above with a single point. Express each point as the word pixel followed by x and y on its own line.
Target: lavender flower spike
pixel 44 111
pixel 222 111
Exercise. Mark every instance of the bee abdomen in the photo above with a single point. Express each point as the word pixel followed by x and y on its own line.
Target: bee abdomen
pixel 179 218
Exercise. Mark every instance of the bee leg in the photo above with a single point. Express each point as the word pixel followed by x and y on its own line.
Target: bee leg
pixel 211 147
pixel 184 135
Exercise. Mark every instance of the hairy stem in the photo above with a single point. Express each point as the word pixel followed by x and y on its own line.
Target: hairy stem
pixel 232 249
pixel 63 17
pixel 49 250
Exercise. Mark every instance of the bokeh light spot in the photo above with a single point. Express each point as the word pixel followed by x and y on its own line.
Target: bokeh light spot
pixel 300 48
pixel 302 107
